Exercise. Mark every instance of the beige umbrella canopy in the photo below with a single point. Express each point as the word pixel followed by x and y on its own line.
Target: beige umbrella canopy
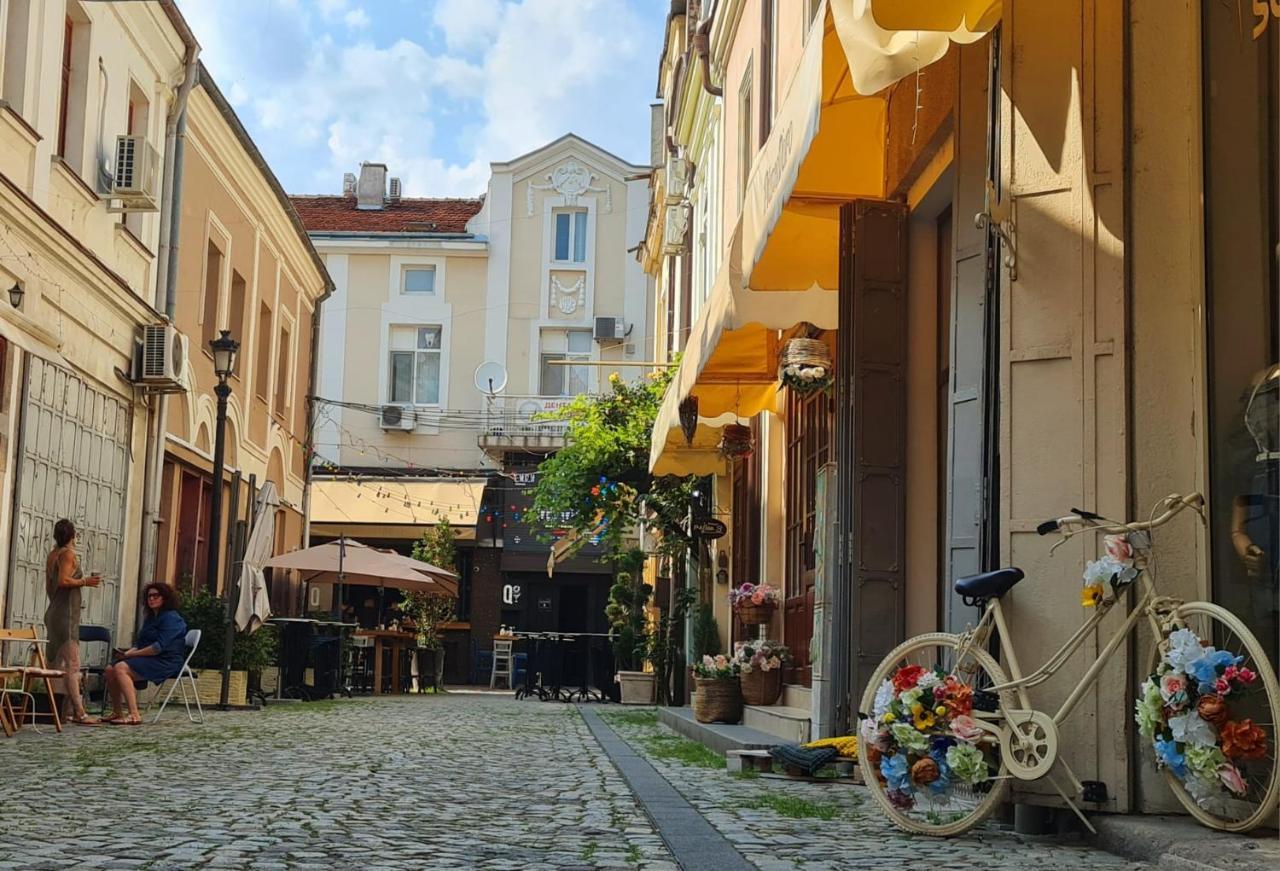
pixel 350 562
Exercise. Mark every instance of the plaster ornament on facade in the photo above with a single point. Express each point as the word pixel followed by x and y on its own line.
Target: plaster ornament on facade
pixel 568 300
pixel 570 180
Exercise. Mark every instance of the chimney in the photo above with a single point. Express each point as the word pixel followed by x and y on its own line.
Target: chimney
pixel 371 190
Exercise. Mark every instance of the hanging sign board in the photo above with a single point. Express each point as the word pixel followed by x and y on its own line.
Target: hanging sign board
pixel 708 528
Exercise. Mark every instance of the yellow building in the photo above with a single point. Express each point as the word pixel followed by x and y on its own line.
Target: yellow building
pixel 991 213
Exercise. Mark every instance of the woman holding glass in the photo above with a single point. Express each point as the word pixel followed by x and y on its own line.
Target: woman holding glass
pixel 63 582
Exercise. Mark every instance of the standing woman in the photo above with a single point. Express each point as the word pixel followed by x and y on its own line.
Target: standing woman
pixel 155 657
pixel 63 581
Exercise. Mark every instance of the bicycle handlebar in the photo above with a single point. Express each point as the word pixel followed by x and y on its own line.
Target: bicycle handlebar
pixel 1172 506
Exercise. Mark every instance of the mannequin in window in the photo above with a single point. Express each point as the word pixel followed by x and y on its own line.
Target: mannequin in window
pixel 1254 515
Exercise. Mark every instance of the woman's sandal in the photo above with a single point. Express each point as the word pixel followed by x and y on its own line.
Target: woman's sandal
pixel 126 721
pixel 86 720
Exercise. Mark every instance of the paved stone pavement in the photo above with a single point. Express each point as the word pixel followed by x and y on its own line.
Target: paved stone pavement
pixel 454 781
pixel 748 811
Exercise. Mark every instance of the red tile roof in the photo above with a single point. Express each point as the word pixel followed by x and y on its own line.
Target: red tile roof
pixel 339 214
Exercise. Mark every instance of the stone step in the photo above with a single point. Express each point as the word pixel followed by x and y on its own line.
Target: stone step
pixel 717 736
pixel 789 724
pixel 796 696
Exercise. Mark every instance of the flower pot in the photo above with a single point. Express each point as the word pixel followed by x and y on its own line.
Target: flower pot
pixel 718 700
pixel 637 687
pixel 761 687
pixel 755 615
pixel 209 687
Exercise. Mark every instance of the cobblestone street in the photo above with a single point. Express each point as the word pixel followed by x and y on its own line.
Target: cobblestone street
pixel 458 781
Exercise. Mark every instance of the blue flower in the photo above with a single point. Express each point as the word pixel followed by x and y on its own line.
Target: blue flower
pixel 894 769
pixel 1207 668
pixel 1171 757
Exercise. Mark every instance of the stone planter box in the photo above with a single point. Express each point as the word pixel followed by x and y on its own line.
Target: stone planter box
pixel 209 688
pixel 637 687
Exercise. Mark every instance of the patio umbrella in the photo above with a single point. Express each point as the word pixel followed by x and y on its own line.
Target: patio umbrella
pixel 350 562
pixel 254 606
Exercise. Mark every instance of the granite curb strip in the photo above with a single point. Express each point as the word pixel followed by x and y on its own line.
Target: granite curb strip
pixel 1180 844
pixel 693 841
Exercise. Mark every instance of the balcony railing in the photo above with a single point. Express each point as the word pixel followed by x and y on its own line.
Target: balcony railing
pixel 511 421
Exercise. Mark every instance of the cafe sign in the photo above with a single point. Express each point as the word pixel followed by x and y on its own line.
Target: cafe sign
pixel 709 527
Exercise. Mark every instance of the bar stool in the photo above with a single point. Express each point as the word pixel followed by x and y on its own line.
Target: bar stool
pixel 501 663
pixel 361 667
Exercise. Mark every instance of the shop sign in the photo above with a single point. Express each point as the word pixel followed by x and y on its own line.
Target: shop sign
pixel 1264 11
pixel 709 527
pixel 511 594
pixel 544 604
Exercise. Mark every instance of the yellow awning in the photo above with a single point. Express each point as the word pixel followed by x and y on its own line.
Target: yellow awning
pixel 730 364
pixel 343 503
pixel 828 142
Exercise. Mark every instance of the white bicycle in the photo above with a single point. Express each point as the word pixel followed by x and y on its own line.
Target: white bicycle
pixel 945 726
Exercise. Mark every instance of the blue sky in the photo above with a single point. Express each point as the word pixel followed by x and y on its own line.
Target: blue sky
pixel 436 89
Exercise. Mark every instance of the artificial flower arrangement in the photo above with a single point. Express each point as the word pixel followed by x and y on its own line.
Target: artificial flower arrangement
pixel 1184 709
pixel 921 737
pixel 754 594
pixel 1116 567
pixel 718 667
pixel 752 656
pixel 806 379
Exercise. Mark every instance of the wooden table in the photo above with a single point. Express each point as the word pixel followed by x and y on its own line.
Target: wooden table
pixel 395 640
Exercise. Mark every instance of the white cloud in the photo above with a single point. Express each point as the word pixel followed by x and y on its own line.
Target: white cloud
pixel 468 25
pixel 357 19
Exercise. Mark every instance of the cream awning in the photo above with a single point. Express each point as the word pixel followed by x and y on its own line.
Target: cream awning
pixel 827 145
pixel 343 503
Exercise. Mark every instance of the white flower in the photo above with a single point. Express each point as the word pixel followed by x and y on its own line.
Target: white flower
pixel 928 679
pixel 1102 570
pixel 884 696
pixel 1184 649
pixel 1191 729
pixel 819 371
pixel 1207 795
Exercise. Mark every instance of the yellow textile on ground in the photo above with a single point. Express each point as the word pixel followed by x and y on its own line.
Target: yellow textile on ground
pixel 846 745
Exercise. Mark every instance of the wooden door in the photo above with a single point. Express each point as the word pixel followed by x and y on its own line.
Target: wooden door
pixel 871 429
pixel 810 441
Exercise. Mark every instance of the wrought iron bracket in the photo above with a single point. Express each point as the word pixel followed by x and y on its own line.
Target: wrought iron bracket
pixel 997 216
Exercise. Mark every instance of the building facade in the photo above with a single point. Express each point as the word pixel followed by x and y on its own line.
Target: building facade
pixel 87 93
pixel 454 323
pixel 1025 304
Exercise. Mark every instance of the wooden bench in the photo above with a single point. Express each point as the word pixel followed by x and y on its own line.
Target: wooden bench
pixel 760 761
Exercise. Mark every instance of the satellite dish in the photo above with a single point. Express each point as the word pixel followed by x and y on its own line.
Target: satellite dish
pixel 491 377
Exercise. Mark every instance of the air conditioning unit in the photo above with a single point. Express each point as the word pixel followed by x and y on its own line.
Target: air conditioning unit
pixel 164 356
pixel 397 417
pixel 679 171
pixel 610 330
pixel 675 230
pixel 135 182
pixel 393 194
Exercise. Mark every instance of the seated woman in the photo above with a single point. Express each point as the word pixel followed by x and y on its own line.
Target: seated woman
pixel 157 655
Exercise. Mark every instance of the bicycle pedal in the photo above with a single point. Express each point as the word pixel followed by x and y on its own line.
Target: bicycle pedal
pixel 986 702
pixel 1094 791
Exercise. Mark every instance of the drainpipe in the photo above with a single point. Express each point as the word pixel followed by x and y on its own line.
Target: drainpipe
pixel 701 44
pixel 166 301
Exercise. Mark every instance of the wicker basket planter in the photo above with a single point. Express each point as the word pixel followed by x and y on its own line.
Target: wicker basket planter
pixel 805 365
pixel 756 615
pixel 718 700
pixel 761 687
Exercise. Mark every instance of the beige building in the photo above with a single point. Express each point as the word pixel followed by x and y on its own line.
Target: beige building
pixel 88 92
pixel 1103 335
pixel 245 265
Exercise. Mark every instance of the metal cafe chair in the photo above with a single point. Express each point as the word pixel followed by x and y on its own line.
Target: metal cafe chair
pixel 185 673
pixel 93 635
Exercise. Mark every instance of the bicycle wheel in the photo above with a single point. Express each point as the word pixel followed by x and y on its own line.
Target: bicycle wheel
pixel 960 797
pixel 1259 768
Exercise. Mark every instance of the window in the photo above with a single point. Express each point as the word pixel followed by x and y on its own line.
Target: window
pixel 1242 300
pixel 212 286
pixel 74 86
pixel 137 119
pixel 746 515
pixel 810 424
pixel 235 317
pixel 282 371
pixel 262 377
pixel 17 21
pixel 560 380
pixel 420 279
pixel 745 149
pixel 68 34
pixel 571 236
pixel 415 365
pixel 768 65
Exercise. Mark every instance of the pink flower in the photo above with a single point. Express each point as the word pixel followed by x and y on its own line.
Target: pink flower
pixel 1118 548
pixel 1171 685
pixel 939 692
pixel 1222 686
pixel 1231 778
pixel 720 661
pixel 757 598
pixel 1239 673
pixel 774 662
pixel 966 728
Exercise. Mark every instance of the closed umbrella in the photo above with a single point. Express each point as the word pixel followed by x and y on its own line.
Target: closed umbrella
pixel 254 607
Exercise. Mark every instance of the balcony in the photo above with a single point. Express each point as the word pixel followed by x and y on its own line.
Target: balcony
pixel 510 424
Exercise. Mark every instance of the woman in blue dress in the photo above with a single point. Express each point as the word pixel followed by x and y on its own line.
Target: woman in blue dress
pixel 156 656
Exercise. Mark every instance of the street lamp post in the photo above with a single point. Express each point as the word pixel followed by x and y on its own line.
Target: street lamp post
pixel 224 363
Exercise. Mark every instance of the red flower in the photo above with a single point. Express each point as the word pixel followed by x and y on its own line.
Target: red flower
pixel 907 677
pixel 1243 740
pixel 957 697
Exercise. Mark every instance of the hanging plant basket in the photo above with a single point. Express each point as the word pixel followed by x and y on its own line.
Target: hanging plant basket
pixel 689 417
pixel 756 615
pixel 736 441
pixel 805 366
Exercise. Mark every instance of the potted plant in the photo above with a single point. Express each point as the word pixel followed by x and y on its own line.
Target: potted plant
pixel 755 603
pixel 250 653
pixel 760 670
pixel 628 632
pixel 429 612
pixel 719 695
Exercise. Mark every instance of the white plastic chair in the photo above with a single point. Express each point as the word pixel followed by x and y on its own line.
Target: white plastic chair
pixel 192 642
pixel 502 659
